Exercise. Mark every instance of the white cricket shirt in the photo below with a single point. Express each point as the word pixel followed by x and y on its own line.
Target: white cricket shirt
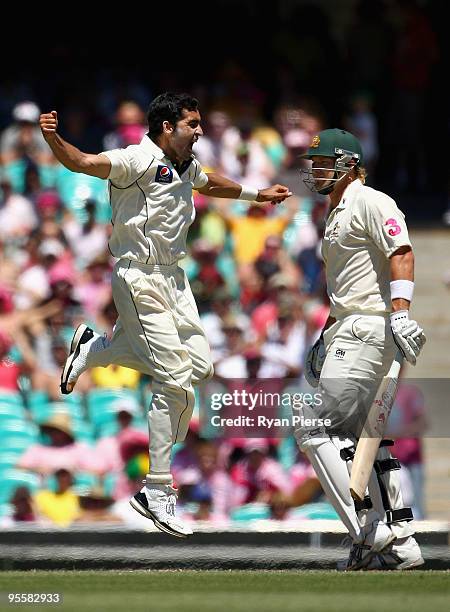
pixel 152 204
pixel 361 233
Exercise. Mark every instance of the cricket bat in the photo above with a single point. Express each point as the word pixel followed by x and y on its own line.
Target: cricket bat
pixel 373 430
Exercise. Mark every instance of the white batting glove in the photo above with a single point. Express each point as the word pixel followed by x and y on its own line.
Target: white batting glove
pixel 314 362
pixel 408 336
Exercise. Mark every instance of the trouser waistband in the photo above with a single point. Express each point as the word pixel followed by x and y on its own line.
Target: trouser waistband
pixel 361 313
pixel 129 263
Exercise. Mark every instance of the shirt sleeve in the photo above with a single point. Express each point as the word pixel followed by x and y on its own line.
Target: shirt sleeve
pixel 385 224
pixel 125 167
pixel 200 178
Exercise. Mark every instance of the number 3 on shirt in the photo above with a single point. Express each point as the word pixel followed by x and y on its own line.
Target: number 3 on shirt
pixel 395 229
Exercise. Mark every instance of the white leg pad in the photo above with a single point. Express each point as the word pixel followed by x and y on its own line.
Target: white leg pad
pixel 331 470
pixel 391 482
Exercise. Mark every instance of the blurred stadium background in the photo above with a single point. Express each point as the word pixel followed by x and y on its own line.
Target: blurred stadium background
pixel 267 81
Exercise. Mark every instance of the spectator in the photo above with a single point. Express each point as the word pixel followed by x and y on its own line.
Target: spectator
pixel 94 289
pixel 95 506
pixel 250 232
pixel 222 305
pixel 112 450
pixel 258 475
pixel 62 450
pixel 48 205
pixel 407 424
pixel 284 348
pixel 60 507
pixel 280 289
pixel 23 507
pixel 186 457
pixel 207 485
pixel 9 371
pixel 89 240
pixel 33 285
pixel 130 126
pixel 23 138
pixel 274 259
pixel 218 141
pixel 207 279
pixel 17 216
pixel 229 361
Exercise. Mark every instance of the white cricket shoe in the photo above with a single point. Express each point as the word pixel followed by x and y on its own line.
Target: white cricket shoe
pixel 158 503
pixel 377 540
pixel 404 556
pixel 84 340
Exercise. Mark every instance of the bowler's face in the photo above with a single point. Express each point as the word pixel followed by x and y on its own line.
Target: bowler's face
pixel 187 132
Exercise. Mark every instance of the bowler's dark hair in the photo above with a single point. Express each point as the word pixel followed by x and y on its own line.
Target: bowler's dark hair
pixel 168 107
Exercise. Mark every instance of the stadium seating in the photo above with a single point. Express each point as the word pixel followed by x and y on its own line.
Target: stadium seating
pixel 102 408
pixel 11 479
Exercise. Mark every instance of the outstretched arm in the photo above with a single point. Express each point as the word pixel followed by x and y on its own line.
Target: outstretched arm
pixel 221 187
pixel 71 157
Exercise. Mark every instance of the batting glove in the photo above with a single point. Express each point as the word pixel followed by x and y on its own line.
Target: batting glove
pixel 314 362
pixel 408 336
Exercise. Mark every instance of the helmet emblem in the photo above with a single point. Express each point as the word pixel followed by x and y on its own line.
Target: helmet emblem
pixel 315 142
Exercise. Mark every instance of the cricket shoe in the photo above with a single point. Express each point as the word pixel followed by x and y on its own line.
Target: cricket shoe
pixel 404 556
pixel 84 340
pixel 158 503
pixel 377 540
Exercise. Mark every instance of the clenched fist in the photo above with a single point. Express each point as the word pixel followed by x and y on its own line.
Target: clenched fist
pixel 49 124
pixel 275 194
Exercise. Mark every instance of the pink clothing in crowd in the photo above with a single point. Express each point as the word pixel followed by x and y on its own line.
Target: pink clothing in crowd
pixel 76 457
pixel 269 477
pixel 224 493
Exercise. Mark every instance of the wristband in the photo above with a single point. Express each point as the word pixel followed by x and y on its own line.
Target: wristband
pixel 402 289
pixel 248 193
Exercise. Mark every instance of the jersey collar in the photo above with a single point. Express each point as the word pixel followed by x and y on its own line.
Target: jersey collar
pixel 152 148
pixel 349 193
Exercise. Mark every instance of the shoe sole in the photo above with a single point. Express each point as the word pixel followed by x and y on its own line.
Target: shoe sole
pixel 364 562
pixel 410 565
pixel 149 514
pixel 398 567
pixel 74 352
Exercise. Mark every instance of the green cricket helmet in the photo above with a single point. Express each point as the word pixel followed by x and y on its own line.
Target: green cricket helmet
pixel 339 144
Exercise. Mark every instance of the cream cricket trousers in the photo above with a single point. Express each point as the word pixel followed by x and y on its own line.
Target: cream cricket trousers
pixel 159 333
pixel 360 349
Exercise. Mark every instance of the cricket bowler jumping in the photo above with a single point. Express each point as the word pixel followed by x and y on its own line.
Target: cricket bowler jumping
pixel 158 331
pixel 369 272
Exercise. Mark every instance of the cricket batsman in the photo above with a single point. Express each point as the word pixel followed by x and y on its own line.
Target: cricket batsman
pixel 369 267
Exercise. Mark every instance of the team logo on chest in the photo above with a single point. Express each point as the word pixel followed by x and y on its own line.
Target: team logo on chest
pixel 163 175
pixel 334 232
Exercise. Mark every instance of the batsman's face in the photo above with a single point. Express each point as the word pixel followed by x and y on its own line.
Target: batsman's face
pixel 322 170
pixel 186 133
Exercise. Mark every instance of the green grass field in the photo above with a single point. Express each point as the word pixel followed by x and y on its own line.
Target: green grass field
pixel 232 591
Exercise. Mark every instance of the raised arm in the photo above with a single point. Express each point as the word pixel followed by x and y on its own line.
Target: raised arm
pixel 71 157
pixel 220 187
